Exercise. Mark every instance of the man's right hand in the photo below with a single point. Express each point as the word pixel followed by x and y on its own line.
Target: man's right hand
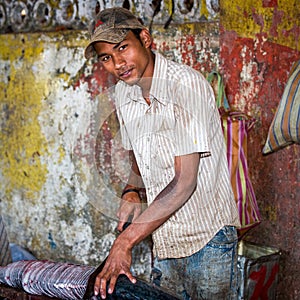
pixel 118 262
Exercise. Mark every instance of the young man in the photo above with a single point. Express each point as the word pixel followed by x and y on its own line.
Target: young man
pixel 171 125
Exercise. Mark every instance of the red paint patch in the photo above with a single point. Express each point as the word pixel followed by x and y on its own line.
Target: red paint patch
pixel 268 64
pixel 192 52
pixel 97 81
pixel 263 283
pixel 187 50
pixel 270 3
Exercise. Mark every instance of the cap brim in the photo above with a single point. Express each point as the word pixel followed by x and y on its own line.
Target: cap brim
pixel 114 36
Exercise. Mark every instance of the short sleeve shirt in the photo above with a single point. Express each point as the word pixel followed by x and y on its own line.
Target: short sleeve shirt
pixel 181 119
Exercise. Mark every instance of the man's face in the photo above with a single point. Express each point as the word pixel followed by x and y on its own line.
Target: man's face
pixel 129 60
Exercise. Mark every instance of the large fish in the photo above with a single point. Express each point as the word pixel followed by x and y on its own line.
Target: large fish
pixel 71 282
pixel 42 277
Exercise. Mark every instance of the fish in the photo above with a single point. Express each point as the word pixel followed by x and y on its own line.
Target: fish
pixel 43 277
pixel 69 281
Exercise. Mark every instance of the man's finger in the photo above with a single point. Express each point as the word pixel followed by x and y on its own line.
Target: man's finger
pixel 130 277
pixel 103 288
pixel 97 286
pixel 112 284
pixel 100 287
pixel 120 226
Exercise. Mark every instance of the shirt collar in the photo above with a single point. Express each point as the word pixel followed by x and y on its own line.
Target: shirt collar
pixel 159 86
pixel 158 89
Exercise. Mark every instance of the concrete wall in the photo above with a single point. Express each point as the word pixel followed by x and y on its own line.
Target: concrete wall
pixel 61 165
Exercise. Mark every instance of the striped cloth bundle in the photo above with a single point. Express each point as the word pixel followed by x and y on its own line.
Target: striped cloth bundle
pixel 5 255
pixel 285 127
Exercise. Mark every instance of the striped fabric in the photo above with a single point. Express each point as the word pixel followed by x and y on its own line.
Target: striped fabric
pixel 236 126
pixel 5 255
pixel 285 127
pixel 181 119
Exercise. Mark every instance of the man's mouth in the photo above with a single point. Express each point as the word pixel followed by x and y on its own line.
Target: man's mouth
pixel 125 73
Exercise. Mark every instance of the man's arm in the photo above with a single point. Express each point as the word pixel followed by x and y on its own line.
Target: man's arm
pixel 131 203
pixel 177 192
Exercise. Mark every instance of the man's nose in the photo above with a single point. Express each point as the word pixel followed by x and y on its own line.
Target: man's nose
pixel 119 61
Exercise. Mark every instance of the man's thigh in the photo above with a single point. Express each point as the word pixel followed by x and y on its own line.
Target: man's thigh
pixel 211 273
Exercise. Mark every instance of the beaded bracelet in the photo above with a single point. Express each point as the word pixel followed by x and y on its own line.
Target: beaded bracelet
pixel 128 191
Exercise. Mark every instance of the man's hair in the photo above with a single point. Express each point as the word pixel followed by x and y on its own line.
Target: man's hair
pixel 137 32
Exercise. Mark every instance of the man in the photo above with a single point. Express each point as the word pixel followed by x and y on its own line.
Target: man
pixel 171 125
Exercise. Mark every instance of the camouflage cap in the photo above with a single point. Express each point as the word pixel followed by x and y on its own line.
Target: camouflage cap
pixel 111 25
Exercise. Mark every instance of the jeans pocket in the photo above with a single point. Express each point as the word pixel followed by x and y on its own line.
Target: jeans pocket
pixel 156 276
pixel 225 237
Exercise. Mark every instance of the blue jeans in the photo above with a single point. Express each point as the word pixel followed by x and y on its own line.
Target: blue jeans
pixel 210 273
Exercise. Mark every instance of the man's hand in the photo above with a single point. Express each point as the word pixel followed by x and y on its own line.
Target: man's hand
pixel 130 206
pixel 118 262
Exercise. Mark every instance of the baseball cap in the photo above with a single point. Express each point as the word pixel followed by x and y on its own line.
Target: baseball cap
pixel 111 25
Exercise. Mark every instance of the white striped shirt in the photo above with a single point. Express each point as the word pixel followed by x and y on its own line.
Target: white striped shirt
pixel 181 119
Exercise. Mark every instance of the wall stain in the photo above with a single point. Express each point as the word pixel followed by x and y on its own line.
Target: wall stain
pixel 21 138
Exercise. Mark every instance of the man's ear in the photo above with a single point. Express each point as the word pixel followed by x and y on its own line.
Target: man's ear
pixel 146 38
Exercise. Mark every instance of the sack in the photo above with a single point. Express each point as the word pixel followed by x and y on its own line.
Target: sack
pixel 236 126
pixel 285 127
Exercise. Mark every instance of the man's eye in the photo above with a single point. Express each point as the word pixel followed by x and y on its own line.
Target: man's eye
pixel 123 47
pixel 104 58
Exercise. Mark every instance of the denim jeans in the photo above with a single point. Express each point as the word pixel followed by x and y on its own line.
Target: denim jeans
pixel 210 273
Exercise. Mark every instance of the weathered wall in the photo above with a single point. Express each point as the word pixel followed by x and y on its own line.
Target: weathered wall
pixel 259 42
pixel 43 115
pixel 59 187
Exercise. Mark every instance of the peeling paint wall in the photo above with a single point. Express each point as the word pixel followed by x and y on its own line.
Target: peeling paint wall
pixel 43 115
pixel 259 42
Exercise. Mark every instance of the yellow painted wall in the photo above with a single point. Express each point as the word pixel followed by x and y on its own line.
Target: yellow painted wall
pixel 249 18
